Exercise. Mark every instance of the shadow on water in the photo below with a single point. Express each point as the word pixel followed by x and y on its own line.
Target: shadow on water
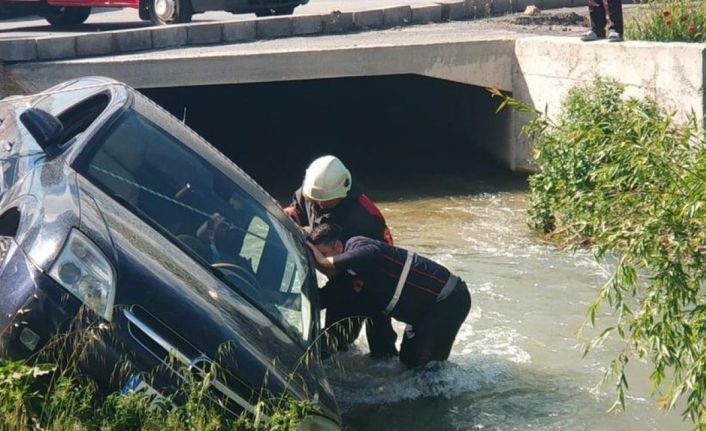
pixel 482 176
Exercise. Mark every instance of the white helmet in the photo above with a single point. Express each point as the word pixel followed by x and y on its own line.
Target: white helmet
pixel 326 179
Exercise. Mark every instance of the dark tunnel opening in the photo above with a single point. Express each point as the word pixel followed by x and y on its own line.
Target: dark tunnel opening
pixel 388 128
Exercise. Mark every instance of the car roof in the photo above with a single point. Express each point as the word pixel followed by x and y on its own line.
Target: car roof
pixel 57 99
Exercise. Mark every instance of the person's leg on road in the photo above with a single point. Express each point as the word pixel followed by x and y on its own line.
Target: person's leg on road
pixel 615 12
pixel 596 10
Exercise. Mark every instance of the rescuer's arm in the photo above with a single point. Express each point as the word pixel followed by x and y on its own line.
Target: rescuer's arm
pixel 297 210
pixel 360 252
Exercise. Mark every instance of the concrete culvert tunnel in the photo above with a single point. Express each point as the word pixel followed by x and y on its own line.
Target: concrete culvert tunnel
pixel 379 126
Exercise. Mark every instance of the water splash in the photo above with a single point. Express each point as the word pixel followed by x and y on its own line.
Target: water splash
pixel 384 382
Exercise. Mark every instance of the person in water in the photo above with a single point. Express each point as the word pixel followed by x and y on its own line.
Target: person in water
pixel 413 289
pixel 329 195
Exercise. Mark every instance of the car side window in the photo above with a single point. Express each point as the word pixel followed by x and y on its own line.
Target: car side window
pixel 77 118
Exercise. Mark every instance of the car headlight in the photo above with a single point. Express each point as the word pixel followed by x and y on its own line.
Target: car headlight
pixel 84 271
pixel 317 423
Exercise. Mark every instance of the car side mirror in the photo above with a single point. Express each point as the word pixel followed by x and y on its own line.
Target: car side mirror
pixel 45 128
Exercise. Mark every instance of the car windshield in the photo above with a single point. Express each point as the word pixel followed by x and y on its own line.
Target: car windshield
pixel 207 214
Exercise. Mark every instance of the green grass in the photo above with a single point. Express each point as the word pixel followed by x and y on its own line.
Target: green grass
pixel 51 392
pixel 669 21
pixel 38 397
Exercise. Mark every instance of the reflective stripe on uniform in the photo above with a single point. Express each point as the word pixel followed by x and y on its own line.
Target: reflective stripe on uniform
pixel 448 288
pixel 400 283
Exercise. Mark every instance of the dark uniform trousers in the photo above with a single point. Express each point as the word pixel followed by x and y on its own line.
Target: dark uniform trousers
pixel 597 10
pixel 345 318
pixel 431 338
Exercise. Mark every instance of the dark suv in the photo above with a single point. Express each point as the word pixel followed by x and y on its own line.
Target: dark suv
pixel 110 204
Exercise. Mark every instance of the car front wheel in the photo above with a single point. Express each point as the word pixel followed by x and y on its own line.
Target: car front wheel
pixel 62 16
pixel 170 11
pixel 275 11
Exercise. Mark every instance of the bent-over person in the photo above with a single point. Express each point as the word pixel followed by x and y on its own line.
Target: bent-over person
pixel 402 284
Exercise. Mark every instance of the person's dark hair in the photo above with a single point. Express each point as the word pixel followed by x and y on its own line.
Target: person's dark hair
pixel 326 233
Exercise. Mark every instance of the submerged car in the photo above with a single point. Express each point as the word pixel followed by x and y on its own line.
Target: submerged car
pixel 109 204
pixel 62 13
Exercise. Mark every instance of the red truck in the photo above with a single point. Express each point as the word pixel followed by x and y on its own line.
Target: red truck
pixel 73 12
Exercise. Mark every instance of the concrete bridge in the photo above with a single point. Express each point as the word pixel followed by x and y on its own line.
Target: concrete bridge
pixel 537 70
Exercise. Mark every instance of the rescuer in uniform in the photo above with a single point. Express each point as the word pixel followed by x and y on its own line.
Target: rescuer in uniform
pixel 399 283
pixel 328 195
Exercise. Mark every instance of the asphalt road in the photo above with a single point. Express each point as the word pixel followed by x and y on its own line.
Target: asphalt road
pixel 120 19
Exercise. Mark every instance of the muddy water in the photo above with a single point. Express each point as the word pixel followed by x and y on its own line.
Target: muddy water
pixel 517 360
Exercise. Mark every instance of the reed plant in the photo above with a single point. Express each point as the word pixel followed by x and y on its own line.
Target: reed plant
pixel 669 21
pixel 32 399
pixel 52 391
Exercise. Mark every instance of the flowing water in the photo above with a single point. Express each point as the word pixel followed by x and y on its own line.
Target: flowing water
pixel 517 359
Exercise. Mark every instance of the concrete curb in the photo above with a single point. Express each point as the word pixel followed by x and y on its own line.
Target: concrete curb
pixel 424 14
pixel 337 22
pixel 55 48
pixel 236 31
pixel 269 28
pixel 95 44
pixel 368 19
pixel 173 36
pixel 307 24
pixel 204 34
pixel 18 50
pixel 168 37
pixel 396 16
pixel 453 10
pixel 126 40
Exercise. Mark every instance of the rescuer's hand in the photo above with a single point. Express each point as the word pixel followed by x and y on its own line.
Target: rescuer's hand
pixel 292 213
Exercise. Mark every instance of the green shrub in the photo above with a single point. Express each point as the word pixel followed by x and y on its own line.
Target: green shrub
pixel 65 401
pixel 670 21
pixel 622 176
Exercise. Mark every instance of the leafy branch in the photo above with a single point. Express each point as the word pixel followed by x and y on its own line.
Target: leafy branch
pixel 624 177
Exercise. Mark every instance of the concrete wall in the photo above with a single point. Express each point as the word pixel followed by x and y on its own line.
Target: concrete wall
pixel 546 67
pixel 482 63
